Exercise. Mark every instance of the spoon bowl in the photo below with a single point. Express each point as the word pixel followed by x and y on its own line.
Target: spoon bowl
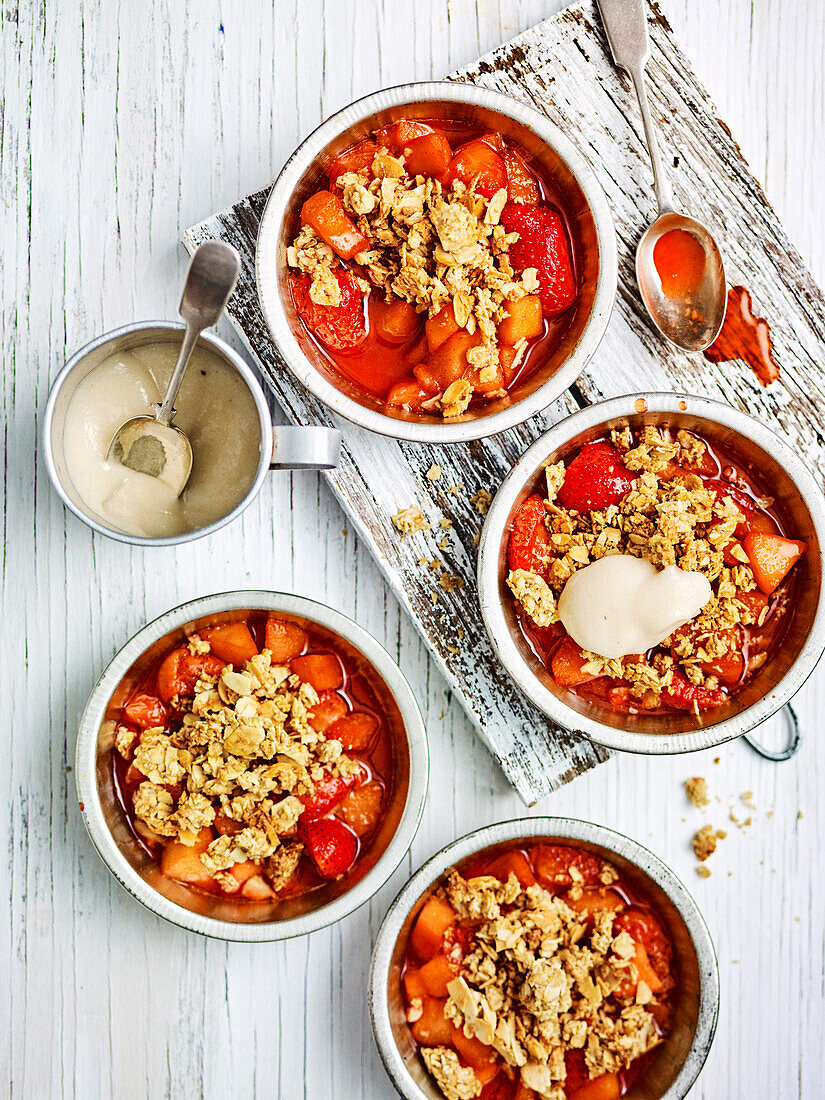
pixel 151 447
pixel 686 302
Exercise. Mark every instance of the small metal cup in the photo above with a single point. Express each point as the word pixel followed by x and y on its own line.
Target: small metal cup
pixel 790 483
pixel 674 1065
pixel 281 448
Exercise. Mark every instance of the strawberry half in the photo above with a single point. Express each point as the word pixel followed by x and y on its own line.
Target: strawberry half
pixel 326 793
pixel 683 694
pixel 552 863
pixel 542 244
pixel 529 545
pixel 595 478
pixel 340 327
pixel 331 846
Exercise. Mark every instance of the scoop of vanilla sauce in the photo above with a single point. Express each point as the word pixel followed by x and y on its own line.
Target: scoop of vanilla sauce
pixel 622 604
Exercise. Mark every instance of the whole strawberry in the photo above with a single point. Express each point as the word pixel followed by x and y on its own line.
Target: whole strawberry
pixel 331 846
pixel 595 478
pixel 542 244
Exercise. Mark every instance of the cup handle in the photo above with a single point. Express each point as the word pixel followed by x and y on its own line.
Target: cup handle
pixel 305 448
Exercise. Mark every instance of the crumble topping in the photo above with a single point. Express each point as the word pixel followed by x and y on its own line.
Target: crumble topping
pixel 429 246
pixel 409 520
pixel 457 1082
pixel 696 789
pixel 245 753
pixel 537 981
pixel 673 520
pixel 704 842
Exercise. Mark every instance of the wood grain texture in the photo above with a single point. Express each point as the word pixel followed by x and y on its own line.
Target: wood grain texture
pixel 121 124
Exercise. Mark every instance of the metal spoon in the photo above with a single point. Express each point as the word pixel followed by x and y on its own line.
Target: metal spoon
pixel 690 320
pixel 153 444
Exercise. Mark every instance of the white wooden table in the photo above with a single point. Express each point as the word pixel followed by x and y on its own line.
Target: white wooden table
pixel 121 124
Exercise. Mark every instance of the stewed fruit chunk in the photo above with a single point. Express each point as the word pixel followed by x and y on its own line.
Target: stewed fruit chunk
pixel 427 936
pixel 477 165
pixel 146 711
pixel 529 545
pixel 432 1028
pixel 323 670
pixel 357 158
pixel 542 244
pixel 595 479
pixel 401 134
pixel 181 670
pixel 332 846
pixel 326 793
pixel 523 320
pixel 354 731
pixel 395 321
pixel 644 927
pixel 324 212
pixel 569 665
pixel 284 639
pixel 361 808
pixel 429 156
pixel 553 864
pixel 232 642
pixel 326 712
pixel 182 862
pixel 683 695
pixel 340 327
pixel 771 557
pixel 521 185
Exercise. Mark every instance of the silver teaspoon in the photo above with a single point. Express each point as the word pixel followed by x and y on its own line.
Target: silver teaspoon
pixel 153 444
pixel 678 264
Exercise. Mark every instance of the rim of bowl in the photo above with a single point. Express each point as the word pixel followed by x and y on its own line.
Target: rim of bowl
pixel 86 755
pixel 492 610
pixel 278 206
pixel 220 347
pixel 567 828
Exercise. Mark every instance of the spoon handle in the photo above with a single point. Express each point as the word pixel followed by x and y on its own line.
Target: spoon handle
pixel 625 23
pixel 166 410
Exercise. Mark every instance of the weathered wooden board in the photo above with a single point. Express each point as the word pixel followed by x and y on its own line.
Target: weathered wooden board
pixel 562 68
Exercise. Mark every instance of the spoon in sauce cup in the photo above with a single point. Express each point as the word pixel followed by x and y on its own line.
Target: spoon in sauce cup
pixel 678 264
pixel 153 444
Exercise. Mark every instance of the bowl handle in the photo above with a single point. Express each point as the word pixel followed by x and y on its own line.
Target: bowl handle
pixel 305 448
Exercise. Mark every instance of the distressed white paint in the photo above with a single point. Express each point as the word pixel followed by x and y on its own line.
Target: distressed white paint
pixel 121 125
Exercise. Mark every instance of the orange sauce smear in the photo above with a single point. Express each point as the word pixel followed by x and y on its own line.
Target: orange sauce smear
pixel 744 336
pixel 680 261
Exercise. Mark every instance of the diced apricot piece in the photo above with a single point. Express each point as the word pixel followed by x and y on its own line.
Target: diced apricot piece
pixel 354 731
pixel 437 973
pixel 181 670
pixel 361 808
pixel 436 916
pixel 257 889
pixel 523 1093
pixel 182 862
pixel 449 361
pixel 232 642
pixel 284 639
pixel 772 557
pixel 432 1028
pixel 512 863
pixel 606 1087
pixel 568 665
pixel 354 159
pixel 473 1051
pixel 325 213
pixel 477 165
pixel 594 899
pixel 326 712
pixel 418 352
pixel 511 362
pixel 521 185
pixel 429 156
pixel 407 394
pixel 323 670
pixel 524 320
pixel 395 321
pixel 441 327
pixel 400 134
pixel 226 826
pixel 145 710
pixel 414 983
pixel 245 870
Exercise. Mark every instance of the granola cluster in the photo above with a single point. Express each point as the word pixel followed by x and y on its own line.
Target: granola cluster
pixel 539 981
pixel 244 756
pixel 429 246
pixel 666 520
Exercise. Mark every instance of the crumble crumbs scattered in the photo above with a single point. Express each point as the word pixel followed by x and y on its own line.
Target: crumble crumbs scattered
pixel 434 473
pixel 703 871
pixel 697 791
pixel 409 520
pixel 451 581
pixel 481 501
pixel 704 842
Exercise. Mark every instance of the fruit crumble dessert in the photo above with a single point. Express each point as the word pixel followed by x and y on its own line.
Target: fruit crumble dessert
pixel 652 575
pixel 537 974
pixel 254 761
pixel 436 271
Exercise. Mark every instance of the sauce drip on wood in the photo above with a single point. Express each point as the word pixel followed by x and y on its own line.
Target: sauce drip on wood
pixel 744 336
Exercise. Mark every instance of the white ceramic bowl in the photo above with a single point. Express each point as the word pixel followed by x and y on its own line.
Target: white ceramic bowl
pixel 675 1064
pixel 198 912
pixel 584 199
pixel 798 496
